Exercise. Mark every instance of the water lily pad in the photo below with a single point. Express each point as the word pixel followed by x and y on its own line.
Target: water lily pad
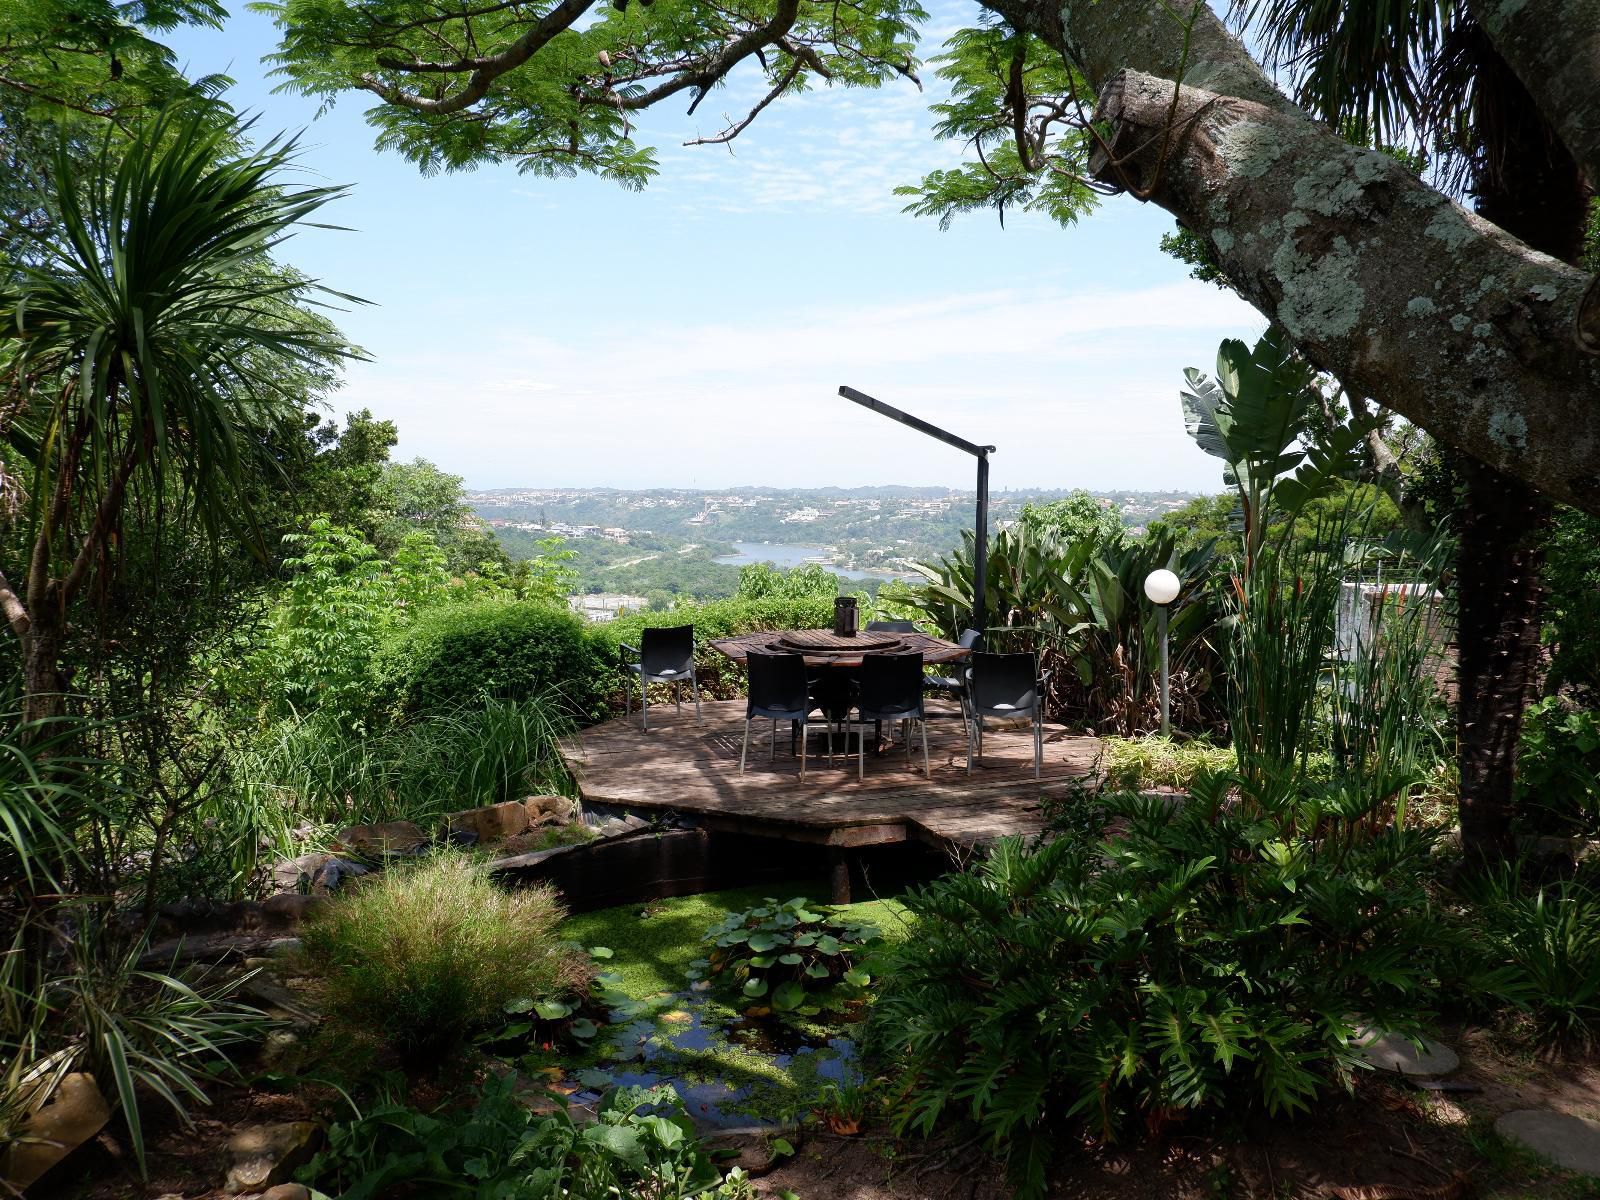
pixel 755 987
pixel 788 996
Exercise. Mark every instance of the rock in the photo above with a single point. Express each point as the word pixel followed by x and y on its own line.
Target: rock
pixel 287 1191
pixel 266 1155
pixel 284 1051
pixel 296 874
pixel 1568 1141
pixel 493 822
pixel 76 1113
pixel 542 808
pixel 387 840
pixel 334 872
pixel 288 910
pixel 1391 1052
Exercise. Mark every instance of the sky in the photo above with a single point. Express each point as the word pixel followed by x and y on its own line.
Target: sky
pixel 568 333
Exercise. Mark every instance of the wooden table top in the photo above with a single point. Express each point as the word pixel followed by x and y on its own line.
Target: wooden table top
pixel 934 650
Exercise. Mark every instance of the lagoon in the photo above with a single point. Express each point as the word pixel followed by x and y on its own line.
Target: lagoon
pixel 780 555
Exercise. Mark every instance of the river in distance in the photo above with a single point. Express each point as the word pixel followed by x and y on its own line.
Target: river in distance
pixel 780 555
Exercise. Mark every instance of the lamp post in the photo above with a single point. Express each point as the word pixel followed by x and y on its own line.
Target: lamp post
pixel 1161 585
pixel 980 549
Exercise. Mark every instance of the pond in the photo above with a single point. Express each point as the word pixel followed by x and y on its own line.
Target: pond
pixel 781 555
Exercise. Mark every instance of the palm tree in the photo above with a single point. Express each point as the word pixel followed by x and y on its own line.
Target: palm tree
pixel 149 350
pixel 1421 71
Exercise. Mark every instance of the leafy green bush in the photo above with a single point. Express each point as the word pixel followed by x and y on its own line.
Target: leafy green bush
pixel 1131 764
pixel 1208 954
pixel 641 1145
pixel 1542 945
pixel 423 955
pixel 1558 769
pixel 721 678
pixel 459 654
pixel 796 957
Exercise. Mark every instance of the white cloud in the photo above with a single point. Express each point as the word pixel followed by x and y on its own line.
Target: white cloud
pixel 1074 387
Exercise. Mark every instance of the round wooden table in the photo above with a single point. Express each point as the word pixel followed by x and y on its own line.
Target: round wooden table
pixel 823 648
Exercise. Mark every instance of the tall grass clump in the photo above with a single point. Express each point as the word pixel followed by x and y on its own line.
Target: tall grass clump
pixel 323 773
pixel 1541 942
pixel 424 955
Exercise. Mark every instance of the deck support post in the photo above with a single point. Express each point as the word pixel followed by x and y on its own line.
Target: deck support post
pixel 839 861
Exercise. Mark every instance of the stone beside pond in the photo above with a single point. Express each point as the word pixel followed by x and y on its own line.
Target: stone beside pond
pixel 1568 1141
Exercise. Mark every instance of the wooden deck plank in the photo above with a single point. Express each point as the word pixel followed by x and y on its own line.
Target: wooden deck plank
pixel 679 765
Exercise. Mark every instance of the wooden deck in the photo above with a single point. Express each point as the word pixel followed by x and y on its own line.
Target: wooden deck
pixel 683 767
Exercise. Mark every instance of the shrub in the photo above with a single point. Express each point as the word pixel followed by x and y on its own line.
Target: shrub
pixel 425 954
pixel 1558 769
pixel 641 1144
pixel 1209 954
pixel 458 654
pixel 796 957
pixel 720 678
pixel 1130 764
pixel 143 1034
pixel 1542 944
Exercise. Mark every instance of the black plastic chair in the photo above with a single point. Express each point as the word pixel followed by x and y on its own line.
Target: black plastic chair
pixel 779 690
pixel 891 626
pixel 891 690
pixel 956 685
pixel 1005 686
pixel 663 656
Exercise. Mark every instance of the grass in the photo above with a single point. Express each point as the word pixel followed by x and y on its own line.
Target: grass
pixel 653 944
pixel 1146 762
pixel 425 954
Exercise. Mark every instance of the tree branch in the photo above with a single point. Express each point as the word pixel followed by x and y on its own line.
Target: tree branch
pixel 1378 278
pixel 484 70
pixel 15 611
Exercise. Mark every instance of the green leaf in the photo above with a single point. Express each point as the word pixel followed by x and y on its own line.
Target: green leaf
pixel 788 996
pixel 755 988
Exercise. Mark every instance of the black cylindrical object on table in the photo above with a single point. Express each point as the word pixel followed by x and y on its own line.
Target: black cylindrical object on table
pixel 846 617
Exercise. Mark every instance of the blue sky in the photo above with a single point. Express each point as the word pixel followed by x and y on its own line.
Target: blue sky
pixel 570 333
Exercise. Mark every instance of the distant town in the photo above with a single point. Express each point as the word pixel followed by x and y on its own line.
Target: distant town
pixel 657 545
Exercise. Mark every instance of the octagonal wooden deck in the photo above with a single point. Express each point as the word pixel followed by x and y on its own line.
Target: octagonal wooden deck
pixel 683 767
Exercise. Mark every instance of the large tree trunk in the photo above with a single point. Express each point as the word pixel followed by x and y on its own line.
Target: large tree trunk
pixel 1529 185
pixel 1500 524
pixel 1378 278
pixel 1554 48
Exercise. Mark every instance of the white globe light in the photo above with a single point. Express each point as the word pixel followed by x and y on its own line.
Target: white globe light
pixel 1161 586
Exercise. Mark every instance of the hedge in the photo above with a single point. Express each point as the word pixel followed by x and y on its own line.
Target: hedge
pixel 459 653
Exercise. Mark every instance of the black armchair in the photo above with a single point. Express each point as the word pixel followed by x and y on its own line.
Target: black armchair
pixel 891 690
pixel 663 656
pixel 1004 686
pixel 780 691
pixel 891 626
pixel 956 685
